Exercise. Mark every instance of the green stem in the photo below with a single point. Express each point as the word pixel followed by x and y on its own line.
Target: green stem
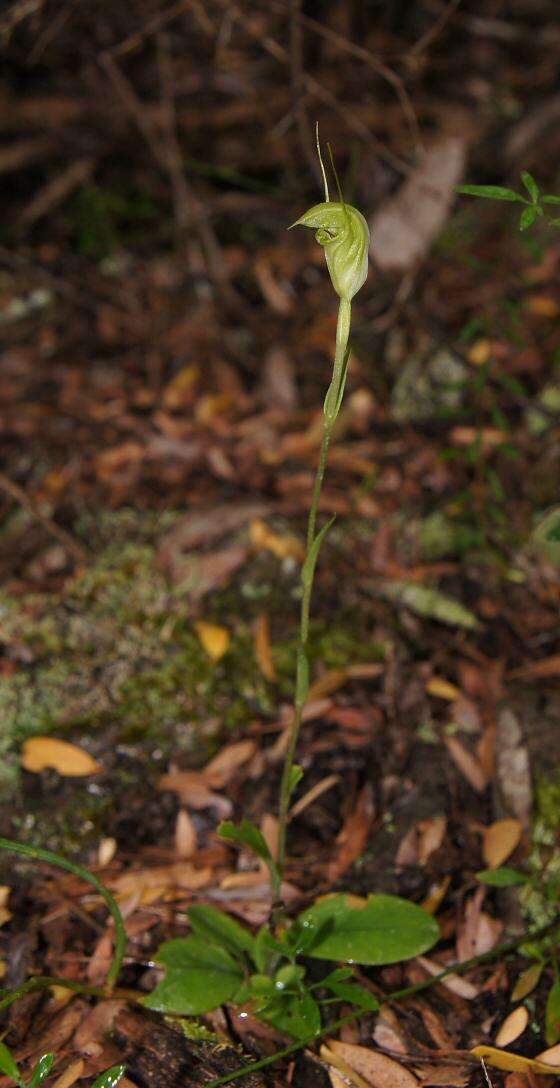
pixel 56 859
pixel 397 995
pixel 302 667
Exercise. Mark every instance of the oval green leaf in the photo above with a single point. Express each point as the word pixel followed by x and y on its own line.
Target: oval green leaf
pixel 220 928
pixel 386 930
pixel 199 977
pixel 502 878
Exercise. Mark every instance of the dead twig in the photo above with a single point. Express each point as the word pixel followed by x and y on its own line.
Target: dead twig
pixel 20 496
pixel 368 58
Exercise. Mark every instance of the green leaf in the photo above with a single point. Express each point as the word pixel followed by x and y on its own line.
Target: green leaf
pixel 355 995
pixel 8 1064
pixel 220 928
pixel 429 602
pixel 492 192
pixel 554 222
pixel 268 949
pixel 308 569
pixel 530 185
pixel 110 1078
pixel 386 930
pixel 502 878
pixel 528 217
pixel 550 198
pixel 552 1014
pixel 297 1015
pixel 246 834
pixel 41 1070
pixel 296 775
pixel 199 977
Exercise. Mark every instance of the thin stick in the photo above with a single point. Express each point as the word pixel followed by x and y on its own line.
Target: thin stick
pixel 80 554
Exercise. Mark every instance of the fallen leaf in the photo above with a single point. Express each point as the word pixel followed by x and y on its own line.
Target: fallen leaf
pixel 444 1076
pixel 185 835
pixel 221 769
pixel 500 840
pixel 468 765
pixel 405 226
pixel 457 985
pixel 262 647
pixel 106 851
pixel 513 771
pixel 537 670
pixel 442 688
pixel 316 791
pixel 477 931
pixel 71 1074
pixel 551 1055
pixel 430 603
pixel 214 639
pixel 527 981
pixel 70 761
pixel 353 836
pixel 513 1063
pixel 375 1068
pixel 513 1026
pixel 327 684
pixel 431 834
pixel 193 791
pixel 263 538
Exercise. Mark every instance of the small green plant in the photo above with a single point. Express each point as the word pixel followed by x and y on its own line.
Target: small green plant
pixel 8 1065
pixel 535 205
pixel 221 960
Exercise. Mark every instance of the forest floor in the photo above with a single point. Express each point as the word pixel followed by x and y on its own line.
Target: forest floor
pixel 168 346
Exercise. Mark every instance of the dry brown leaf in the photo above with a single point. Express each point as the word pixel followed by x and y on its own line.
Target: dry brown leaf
pixel 352 838
pixel 537 670
pixel 431 834
pixel 477 932
pixel 551 1055
pixel 486 750
pixel 328 683
pixel 100 961
pixel 185 835
pixel 376 1069
pixel 221 769
pixel 405 226
pixel 283 547
pixel 513 771
pixel 215 639
pixel 316 791
pixel 500 840
pixel 71 1074
pixel 70 761
pixel 270 832
pixel 193 791
pixel 444 1076
pixel 469 767
pixel 457 985
pixel 513 1026
pixel 442 688
pixel 106 851
pixel 262 647
pixel 5 892
pixel 350 1075
pixel 5 915
pixel 435 895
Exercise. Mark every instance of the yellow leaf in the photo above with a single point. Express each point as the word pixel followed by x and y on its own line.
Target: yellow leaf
pixel 527 981
pixel 71 1074
pixel 480 352
pixel 69 760
pixel 442 688
pixel 261 643
pixel 513 1026
pixel 512 1063
pixel 282 547
pixel 500 840
pixel 215 639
